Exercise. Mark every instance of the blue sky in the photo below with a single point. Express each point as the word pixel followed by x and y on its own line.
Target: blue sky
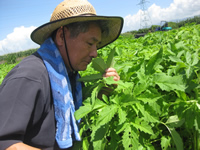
pixel 19 18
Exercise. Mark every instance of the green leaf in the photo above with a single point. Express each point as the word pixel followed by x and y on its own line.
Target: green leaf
pixel 99 65
pixel 176 137
pixel 122 115
pixel 148 96
pixel 122 127
pixel 115 138
pixel 130 139
pixel 106 114
pixel 95 93
pixel 99 145
pixel 147 116
pixel 91 77
pixel 110 59
pixel 87 108
pixel 188 57
pixel 195 57
pixel 99 132
pixel 82 111
pixel 127 99
pixel 105 98
pixel 154 62
pixel 140 87
pixel 169 83
pixel 99 104
pixel 165 142
pixel 86 144
pixel 175 59
pixel 180 45
pixel 174 121
pixel 143 126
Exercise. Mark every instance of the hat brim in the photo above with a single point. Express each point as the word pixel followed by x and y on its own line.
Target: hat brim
pixel 114 24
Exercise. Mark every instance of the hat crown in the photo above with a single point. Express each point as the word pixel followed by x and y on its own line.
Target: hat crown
pixel 71 8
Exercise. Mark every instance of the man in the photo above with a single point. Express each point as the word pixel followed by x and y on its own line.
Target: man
pixel 39 96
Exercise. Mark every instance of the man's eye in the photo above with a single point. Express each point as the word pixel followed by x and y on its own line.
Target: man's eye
pixel 90 44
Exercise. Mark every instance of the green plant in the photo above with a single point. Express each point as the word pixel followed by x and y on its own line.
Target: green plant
pixel 11 58
pixel 156 104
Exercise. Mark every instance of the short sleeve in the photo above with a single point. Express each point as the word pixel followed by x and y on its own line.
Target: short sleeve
pixel 17 102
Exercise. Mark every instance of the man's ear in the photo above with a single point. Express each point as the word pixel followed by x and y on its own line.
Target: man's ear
pixel 59 40
pixel 60 37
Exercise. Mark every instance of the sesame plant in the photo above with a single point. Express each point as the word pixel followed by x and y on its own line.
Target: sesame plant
pixel 156 103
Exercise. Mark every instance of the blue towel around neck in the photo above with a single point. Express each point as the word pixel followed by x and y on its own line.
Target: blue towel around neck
pixel 66 126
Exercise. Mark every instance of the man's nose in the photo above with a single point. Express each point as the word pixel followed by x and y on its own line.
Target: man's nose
pixel 93 52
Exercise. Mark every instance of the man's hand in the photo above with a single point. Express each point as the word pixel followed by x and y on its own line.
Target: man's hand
pixel 107 90
pixel 111 72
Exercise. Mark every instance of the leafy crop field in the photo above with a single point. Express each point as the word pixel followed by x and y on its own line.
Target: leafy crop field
pixel 156 104
pixel 4 69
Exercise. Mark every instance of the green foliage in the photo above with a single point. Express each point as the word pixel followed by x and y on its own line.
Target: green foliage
pixel 156 104
pixel 4 69
pixel 18 54
pixel 11 59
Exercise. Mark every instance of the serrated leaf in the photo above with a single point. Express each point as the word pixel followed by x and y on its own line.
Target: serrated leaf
pixel 99 132
pixel 176 138
pixel 109 62
pixel 188 57
pixel 165 142
pixel 169 83
pixel 121 127
pixel 175 59
pixel 106 114
pixel 115 138
pixel 127 100
pixel 140 87
pixel 195 57
pixel 82 111
pixel 174 121
pixel 99 65
pixel 147 116
pixel 98 104
pixel 154 62
pixel 95 92
pixel 130 139
pixel 148 96
pixel 99 145
pixel 91 77
pixel 143 127
pixel 122 115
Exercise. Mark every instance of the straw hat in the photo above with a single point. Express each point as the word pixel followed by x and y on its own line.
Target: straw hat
pixel 70 11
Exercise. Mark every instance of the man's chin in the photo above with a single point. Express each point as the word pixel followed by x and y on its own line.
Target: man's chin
pixel 83 68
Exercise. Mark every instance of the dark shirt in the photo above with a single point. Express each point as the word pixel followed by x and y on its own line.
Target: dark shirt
pixel 26 106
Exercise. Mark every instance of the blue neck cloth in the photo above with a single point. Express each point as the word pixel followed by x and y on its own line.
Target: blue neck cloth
pixel 66 126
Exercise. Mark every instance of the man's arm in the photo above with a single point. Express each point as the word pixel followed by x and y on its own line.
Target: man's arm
pixel 21 146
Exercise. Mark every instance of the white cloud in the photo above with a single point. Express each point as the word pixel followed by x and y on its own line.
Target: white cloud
pixel 18 40
pixel 179 9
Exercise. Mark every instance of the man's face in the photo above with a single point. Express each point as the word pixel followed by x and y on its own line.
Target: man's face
pixel 83 48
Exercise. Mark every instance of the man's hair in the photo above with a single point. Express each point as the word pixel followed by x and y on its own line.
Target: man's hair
pixel 82 27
